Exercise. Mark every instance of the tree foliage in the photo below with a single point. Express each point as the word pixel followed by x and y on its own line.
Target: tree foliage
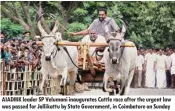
pixel 149 23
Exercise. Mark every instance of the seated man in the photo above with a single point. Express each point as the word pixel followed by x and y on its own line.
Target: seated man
pixel 93 37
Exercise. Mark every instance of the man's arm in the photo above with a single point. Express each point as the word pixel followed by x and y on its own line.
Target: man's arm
pixel 115 26
pixel 84 32
pixel 155 63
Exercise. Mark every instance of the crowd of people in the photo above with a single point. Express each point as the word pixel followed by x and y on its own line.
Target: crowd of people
pixel 19 52
pixel 155 69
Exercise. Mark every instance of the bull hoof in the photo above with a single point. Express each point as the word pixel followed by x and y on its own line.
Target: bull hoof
pixel 62 90
pixel 103 88
pixel 117 91
pixel 111 93
pixel 39 93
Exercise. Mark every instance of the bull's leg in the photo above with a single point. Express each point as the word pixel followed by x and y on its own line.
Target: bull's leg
pixel 64 80
pixel 124 77
pixel 105 82
pixel 42 84
pixel 116 86
pixel 73 76
pixel 122 86
pixel 128 82
pixel 58 84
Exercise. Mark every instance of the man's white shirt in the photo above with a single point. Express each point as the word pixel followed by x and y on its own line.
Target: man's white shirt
pixel 140 62
pixel 86 39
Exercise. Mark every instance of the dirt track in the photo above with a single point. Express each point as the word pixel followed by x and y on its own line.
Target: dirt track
pixel 133 91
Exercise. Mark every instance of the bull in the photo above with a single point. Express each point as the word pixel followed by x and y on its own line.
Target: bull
pixel 120 62
pixel 58 62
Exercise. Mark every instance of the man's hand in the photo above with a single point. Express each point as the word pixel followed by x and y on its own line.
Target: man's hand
pixel 72 34
pixel 56 22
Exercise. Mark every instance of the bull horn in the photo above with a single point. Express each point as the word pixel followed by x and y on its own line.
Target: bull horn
pixel 56 23
pixel 123 31
pixel 41 29
pixel 55 27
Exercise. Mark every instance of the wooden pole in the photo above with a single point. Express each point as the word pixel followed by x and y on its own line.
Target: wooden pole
pixel 67 43
pixel 84 57
pixel 79 43
pixel 3 77
pixel 25 81
pixel 90 64
pixel 75 44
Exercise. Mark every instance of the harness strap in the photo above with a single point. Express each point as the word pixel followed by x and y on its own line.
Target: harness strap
pixel 69 56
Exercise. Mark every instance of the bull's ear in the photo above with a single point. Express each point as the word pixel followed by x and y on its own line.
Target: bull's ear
pixel 39 43
pixel 55 43
pixel 108 40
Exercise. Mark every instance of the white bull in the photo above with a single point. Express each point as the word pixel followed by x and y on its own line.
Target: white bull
pixel 55 62
pixel 119 66
pixel 119 63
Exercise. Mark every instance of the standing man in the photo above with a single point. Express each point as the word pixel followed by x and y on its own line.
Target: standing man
pixel 27 36
pixel 3 39
pixel 139 68
pixel 102 25
pixel 168 72
pixel 161 69
pixel 173 69
pixel 150 66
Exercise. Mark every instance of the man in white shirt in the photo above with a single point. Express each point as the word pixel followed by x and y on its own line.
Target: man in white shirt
pixel 150 60
pixel 173 69
pixel 168 72
pixel 161 69
pixel 139 68
pixel 93 37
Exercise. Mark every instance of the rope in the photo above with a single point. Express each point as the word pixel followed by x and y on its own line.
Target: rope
pixel 54 17
pixel 69 56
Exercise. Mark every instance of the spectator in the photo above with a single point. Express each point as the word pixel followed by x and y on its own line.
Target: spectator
pixel 161 68
pixel 173 69
pixel 27 36
pixel 168 72
pixel 150 59
pixel 2 37
pixel 139 68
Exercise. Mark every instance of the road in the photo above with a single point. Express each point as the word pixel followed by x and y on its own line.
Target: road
pixel 133 91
